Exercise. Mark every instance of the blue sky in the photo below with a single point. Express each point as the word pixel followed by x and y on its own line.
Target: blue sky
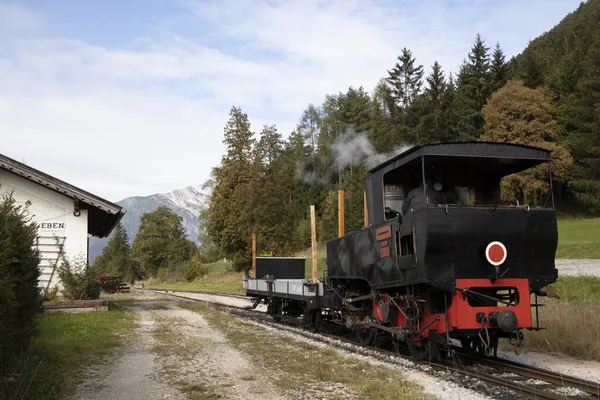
pixel 127 98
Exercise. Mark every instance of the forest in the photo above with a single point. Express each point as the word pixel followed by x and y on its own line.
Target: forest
pixel 547 96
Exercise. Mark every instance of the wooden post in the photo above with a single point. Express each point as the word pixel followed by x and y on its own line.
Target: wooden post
pixel 254 255
pixel 340 213
pixel 366 210
pixel 313 240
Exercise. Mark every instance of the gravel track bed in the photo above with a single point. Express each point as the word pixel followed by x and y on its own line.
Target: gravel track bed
pixel 582 267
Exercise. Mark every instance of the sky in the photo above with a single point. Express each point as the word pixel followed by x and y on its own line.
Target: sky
pixel 130 98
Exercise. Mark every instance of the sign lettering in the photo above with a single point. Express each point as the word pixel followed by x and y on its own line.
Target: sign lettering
pixel 52 226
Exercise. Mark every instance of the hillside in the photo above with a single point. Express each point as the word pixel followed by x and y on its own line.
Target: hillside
pixel 186 202
pixel 567 60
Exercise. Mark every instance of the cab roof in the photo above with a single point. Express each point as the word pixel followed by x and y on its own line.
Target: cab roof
pixel 506 156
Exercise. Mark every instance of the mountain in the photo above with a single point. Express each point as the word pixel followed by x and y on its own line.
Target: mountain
pixel 186 202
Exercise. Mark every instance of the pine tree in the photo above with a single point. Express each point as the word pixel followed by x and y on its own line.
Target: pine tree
pixel 229 221
pixel 433 126
pixel 405 79
pixel 116 258
pixel 530 68
pixel 271 201
pixel 473 90
pixel 498 69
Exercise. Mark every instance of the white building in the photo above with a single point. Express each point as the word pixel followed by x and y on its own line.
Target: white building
pixel 64 213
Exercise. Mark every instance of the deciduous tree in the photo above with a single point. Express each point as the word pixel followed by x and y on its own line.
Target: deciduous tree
pixel 521 115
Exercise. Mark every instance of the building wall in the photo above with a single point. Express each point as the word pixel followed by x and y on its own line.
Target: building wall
pixel 53 213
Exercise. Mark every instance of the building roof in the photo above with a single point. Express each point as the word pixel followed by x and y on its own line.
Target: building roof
pixel 103 215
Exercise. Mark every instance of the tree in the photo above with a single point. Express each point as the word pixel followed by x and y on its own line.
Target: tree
pixel 270 194
pixel 405 79
pixel 498 69
pixel 229 219
pixel 19 274
pixel 161 242
pixel 433 124
pixel 473 90
pixel 521 115
pixel 116 258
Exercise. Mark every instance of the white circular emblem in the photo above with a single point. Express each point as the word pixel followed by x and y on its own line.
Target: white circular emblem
pixel 495 253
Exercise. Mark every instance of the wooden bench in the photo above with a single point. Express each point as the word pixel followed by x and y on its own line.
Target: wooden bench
pixel 113 284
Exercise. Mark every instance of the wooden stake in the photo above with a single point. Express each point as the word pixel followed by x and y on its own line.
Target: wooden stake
pixel 340 213
pixel 366 210
pixel 313 240
pixel 254 255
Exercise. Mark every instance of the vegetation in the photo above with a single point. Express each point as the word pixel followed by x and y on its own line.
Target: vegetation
pixel 19 297
pixel 521 115
pixel 567 60
pixel 160 243
pixel 116 258
pixel 548 96
pixel 64 345
pixel 565 333
pixel 79 282
pixel 219 277
pixel 578 238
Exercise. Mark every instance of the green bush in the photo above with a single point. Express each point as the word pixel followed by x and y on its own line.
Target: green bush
pixel 162 274
pixel 192 269
pixel 79 281
pixel 19 295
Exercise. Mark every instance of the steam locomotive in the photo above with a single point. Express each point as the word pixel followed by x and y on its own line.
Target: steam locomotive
pixel 442 258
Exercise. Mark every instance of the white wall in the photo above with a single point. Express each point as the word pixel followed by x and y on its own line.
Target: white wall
pixel 54 214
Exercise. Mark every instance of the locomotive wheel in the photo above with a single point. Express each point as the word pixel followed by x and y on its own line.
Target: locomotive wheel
pixel 429 351
pixel 366 337
pixel 473 347
pixel 417 352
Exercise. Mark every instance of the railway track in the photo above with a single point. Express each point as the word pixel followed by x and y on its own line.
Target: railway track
pixel 511 379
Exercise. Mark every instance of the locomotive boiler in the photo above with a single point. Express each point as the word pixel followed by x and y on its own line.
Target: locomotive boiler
pixel 442 257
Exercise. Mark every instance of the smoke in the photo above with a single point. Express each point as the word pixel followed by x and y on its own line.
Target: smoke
pixel 354 148
pixel 349 150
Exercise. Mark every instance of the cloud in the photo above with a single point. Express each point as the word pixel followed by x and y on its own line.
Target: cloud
pixel 145 111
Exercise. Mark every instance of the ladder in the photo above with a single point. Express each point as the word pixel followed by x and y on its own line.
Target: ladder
pixel 51 249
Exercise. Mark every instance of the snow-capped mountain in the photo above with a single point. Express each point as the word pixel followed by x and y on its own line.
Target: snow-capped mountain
pixel 186 202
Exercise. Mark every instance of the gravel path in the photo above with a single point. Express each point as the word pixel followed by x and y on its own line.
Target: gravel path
pixel 216 365
pixel 190 356
pixel 130 377
pixel 568 267
pixel 558 362
pixel 217 299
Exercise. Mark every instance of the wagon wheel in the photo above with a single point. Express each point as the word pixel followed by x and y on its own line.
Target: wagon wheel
pixel 367 336
pixel 277 311
pixel 312 320
pixel 473 347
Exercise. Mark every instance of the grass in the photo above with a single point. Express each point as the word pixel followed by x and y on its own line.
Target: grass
pixel 219 278
pixel 321 256
pixel 572 323
pixel 63 347
pixel 298 367
pixel 578 238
